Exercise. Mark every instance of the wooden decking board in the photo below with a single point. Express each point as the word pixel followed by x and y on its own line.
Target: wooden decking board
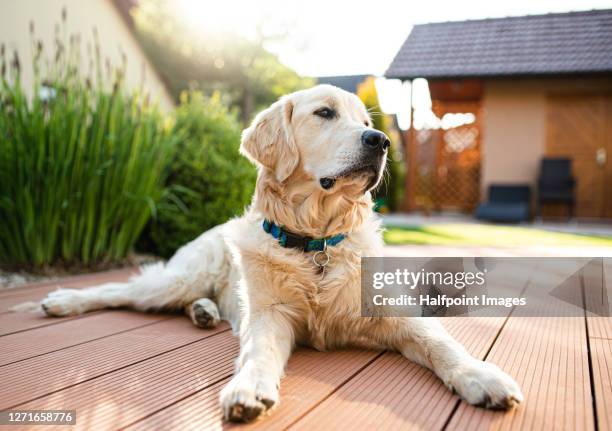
pixel 601 327
pixel 74 281
pixel 329 369
pixel 473 415
pixel 36 377
pixel 199 411
pixel 475 333
pixel 554 364
pixel 37 290
pixel 310 377
pixel 370 399
pixel 7 303
pixel 601 354
pixel 28 295
pixel 124 396
pixel 162 376
pixel 34 294
pixel 600 344
pixel 68 333
pixel 390 394
pixel 548 357
pixel 13 323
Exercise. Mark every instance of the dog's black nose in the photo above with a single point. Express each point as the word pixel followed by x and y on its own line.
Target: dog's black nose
pixel 375 140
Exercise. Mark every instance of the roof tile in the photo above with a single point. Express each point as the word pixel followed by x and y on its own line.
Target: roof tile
pixel 560 43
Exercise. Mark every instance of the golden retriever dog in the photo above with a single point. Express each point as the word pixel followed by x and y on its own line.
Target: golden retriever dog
pixel 287 272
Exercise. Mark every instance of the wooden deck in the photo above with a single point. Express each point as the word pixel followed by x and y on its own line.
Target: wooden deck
pixel 121 369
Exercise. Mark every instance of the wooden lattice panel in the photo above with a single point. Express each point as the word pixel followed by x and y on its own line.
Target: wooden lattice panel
pixel 445 164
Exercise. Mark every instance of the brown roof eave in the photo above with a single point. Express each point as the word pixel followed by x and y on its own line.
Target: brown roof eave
pixel 581 74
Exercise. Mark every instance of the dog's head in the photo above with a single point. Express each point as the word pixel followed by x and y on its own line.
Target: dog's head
pixel 320 138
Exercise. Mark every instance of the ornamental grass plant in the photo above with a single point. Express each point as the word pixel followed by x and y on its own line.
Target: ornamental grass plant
pixel 83 163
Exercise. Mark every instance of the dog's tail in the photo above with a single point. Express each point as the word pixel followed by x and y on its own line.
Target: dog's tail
pixel 26 307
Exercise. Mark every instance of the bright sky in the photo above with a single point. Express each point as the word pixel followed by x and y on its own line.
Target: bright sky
pixel 331 37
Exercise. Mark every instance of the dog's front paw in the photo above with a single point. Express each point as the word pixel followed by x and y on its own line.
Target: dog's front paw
pixel 64 302
pixel 246 397
pixel 485 385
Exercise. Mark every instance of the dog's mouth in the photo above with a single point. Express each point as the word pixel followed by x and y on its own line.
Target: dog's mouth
pixel 368 170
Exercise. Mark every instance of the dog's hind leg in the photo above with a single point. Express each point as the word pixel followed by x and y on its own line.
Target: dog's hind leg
pixel 203 313
pixel 155 288
pixel 198 270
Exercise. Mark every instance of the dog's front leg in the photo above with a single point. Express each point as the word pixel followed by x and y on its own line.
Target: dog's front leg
pixel 265 346
pixel 424 340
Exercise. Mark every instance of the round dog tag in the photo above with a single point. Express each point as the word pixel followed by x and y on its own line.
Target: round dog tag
pixel 320 258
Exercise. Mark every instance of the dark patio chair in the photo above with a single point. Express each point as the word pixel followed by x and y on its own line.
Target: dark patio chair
pixel 556 184
pixel 506 204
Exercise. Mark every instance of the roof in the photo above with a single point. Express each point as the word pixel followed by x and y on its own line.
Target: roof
pixel 347 82
pixel 552 44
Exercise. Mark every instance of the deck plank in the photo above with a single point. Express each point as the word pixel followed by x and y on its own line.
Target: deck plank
pixel 394 393
pixel 14 323
pixel 122 397
pixel 37 291
pixel 600 326
pixel 311 376
pixel 157 374
pixel 62 334
pixel 391 394
pixel 601 353
pixel 292 408
pixel 7 303
pixel 72 282
pixel 36 377
pixel 548 357
pixel 600 343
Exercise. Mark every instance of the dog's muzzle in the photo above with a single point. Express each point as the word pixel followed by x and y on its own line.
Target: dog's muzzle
pixel 373 154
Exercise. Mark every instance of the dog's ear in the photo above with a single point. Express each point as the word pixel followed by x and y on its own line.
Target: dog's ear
pixel 269 140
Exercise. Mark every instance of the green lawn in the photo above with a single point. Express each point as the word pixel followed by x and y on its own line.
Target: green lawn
pixel 487 235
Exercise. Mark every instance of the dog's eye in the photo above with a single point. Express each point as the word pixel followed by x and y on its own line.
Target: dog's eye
pixel 326 113
pixel 367 124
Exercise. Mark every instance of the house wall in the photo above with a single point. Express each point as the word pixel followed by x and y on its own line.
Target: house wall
pixel 514 124
pixel 114 36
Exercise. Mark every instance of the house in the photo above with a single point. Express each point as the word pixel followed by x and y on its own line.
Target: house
pixel 112 22
pixel 536 86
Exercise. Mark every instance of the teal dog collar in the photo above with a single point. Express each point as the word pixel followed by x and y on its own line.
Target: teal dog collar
pixel 305 243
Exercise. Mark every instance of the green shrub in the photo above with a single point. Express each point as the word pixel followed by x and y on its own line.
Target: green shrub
pixel 81 167
pixel 213 181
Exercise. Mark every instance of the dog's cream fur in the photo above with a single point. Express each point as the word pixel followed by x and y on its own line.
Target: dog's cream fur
pixel 277 297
